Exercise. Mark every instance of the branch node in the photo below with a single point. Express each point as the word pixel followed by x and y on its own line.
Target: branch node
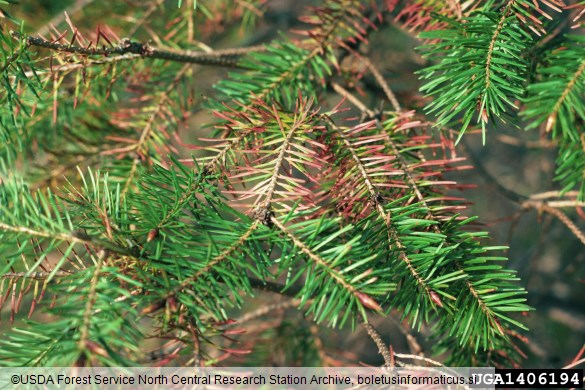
pixel 135 47
pixel 264 214
pixel 377 199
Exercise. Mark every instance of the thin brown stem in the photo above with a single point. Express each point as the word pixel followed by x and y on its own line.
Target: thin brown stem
pixel 540 144
pixel 385 87
pixel 553 194
pixel 267 310
pixel 145 16
pixel 377 339
pixel 544 207
pixel 143 50
pixel 38 275
pixel 73 238
pixel 509 194
pixel 356 102
pixel 418 358
pixel 574 364
pixel 412 342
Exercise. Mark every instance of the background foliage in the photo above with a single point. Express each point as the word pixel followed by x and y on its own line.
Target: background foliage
pixel 251 182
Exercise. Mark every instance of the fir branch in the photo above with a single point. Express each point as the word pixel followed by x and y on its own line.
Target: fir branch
pixel 461 271
pixel 277 143
pixel 145 134
pixel 88 63
pixel 330 260
pixel 458 266
pixel 278 72
pixel 38 275
pixel 490 51
pixel 322 263
pixel 129 47
pixel 226 148
pixel 349 218
pixel 377 339
pixel 223 256
pixel 556 100
pixel 91 300
pixel 111 59
pixel 75 237
pixel 482 71
pixel 393 237
pixel 340 22
pixel 278 161
pixel 421 15
pixel 572 82
pixel 54 343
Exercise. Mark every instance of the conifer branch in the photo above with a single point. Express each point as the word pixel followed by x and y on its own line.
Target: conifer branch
pixel 492 44
pixel 480 69
pixel 90 302
pixel 138 147
pixel 223 256
pixel 142 50
pixel 112 59
pixel 572 82
pixel 348 218
pixel 72 238
pixel 415 187
pixel 393 237
pixel 270 188
pixel 10 61
pixel 489 314
pixel 322 263
pixel 383 349
pixel 37 275
pixel 290 74
pixel 88 63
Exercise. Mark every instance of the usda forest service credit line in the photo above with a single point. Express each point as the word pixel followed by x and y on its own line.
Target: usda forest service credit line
pixel 218 379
